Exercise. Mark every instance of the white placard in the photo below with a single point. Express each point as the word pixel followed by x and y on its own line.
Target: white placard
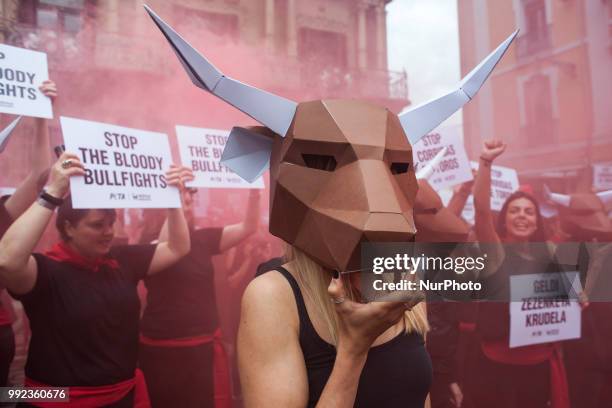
pixel 504 181
pixel 21 73
pixel 454 168
pixel 468 213
pixel 125 167
pixel 201 149
pixel 4 191
pixel 540 317
pixel 602 176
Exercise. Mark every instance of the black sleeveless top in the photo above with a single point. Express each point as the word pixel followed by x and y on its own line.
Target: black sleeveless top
pixel 493 322
pixel 397 373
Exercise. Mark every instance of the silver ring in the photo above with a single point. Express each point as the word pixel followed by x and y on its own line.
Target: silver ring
pixel 66 164
pixel 337 300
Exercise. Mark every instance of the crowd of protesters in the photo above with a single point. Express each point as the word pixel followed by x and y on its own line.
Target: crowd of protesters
pixel 148 317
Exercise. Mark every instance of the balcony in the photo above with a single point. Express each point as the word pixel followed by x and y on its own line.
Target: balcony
pixel 534 42
pixel 305 81
pixel 70 51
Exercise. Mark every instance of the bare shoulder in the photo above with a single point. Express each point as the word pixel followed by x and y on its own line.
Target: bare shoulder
pixel 270 294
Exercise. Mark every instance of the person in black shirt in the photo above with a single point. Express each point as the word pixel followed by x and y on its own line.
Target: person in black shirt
pixel 180 335
pixel 81 296
pixel 12 207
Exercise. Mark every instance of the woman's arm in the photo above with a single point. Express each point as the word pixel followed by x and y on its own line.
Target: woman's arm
pixel 270 360
pixel 243 271
pixel 486 234
pixel 484 226
pixel 17 266
pixel 271 363
pixel 41 161
pixel 178 243
pixel 232 235
pixel 459 198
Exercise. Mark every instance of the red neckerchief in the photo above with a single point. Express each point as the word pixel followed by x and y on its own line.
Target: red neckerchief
pixel 63 253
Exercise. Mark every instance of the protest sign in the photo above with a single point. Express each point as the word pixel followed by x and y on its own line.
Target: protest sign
pixel 4 191
pixel 504 181
pixel 454 168
pixel 201 149
pixel 602 176
pixel 541 311
pixel 21 73
pixel 124 167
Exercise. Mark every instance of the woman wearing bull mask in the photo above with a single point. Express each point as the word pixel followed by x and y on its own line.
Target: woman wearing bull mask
pixel 529 376
pixel 81 296
pixel 306 339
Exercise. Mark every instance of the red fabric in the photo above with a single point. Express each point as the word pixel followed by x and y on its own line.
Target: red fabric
pixel 536 354
pixel 90 397
pixel 5 316
pixel 61 252
pixel 526 188
pixel 223 394
pixel 467 327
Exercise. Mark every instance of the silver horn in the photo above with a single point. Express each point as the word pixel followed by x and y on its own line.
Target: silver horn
pixel 428 169
pixel 421 119
pixel 560 199
pixel 605 197
pixel 6 133
pixel 270 110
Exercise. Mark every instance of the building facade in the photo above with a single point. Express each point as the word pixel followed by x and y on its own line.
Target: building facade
pixel 549 98
pixel 112 64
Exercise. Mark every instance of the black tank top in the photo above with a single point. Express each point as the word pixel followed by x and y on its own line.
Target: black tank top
pixel 397 373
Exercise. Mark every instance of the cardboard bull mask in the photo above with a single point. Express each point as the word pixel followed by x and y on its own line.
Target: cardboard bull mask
pixel 584 215
pixel 341 171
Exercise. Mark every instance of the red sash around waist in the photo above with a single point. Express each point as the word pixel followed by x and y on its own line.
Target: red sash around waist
pixel 90 397
pixel 500 352
pixel 223 394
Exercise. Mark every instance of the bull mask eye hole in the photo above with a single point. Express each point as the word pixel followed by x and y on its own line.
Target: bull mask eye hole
pixel 399 168
pixel 320 161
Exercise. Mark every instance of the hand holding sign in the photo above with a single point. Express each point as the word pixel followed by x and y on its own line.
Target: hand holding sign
pixel 68 165
pixel 49 89
pixel 177 176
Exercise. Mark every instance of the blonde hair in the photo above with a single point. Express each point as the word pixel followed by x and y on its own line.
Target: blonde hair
pixel 314 280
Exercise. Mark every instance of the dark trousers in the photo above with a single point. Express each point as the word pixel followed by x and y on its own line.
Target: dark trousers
pixel 511 386
pixel 7 352
pixel 440 393
pixel 179 376
pixel 589 359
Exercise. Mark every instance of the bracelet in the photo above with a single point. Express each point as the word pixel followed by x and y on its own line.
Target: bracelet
pixel 44 203
pixel 486 162
pixel 49 199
